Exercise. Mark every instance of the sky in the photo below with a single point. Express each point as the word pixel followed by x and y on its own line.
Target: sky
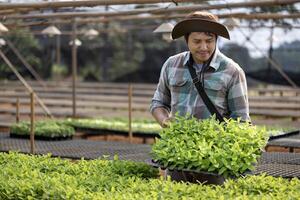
pixel 261 37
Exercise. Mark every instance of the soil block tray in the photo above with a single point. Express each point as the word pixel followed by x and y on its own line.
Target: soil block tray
pixel 99 131
pixel 285 134
pixel 39 137
pixel 192 176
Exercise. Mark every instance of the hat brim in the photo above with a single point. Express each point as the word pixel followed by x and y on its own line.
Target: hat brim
pixel 199 25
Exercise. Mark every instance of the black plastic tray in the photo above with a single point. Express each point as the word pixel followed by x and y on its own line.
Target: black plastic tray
pixel 192 176
pixel 102 131
pixel 38 137
pixel 287 134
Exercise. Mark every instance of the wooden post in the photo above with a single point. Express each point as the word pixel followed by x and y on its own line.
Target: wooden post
pixel 18 110
pixel 32 148
pixel 281 93
pixel 129 112
pixel 74 67
pixel 58 49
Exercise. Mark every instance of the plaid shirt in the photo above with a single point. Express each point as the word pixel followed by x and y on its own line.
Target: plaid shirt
pixel 224 83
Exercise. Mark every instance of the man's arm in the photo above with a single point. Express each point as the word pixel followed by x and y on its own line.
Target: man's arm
pixel 161 102
pixel 238 97
pixel 161 115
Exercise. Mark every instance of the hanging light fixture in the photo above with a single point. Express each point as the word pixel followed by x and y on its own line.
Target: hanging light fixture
pixel 2 42
pixel 51 31
pixel 91 33
pixel 165 29
pixel 77 42
pixel 3 28
pixel 231 22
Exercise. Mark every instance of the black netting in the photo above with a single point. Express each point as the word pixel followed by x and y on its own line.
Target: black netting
pixel 78 148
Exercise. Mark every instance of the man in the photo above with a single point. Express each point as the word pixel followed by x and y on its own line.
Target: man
pixel 222 79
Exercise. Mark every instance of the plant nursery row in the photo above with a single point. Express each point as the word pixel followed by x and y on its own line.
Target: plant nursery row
pixel 42 177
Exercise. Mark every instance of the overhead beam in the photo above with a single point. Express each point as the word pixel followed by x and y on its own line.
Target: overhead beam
pixel 86 3
pixel 14 11
pixel 246 16
pixel 177 9
pixel 239 15
pixel 153 26
pixel 262 16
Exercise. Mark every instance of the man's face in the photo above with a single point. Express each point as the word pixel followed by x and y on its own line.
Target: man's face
pixel 201 45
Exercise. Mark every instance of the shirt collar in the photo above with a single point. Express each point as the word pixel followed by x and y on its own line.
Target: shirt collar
pixel 215 63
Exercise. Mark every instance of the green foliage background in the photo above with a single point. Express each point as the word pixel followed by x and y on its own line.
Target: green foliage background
pixel 30 49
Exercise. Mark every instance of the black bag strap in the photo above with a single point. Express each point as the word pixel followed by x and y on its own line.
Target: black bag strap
pixel 198 84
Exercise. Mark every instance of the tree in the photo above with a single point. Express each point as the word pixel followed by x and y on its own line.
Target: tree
pixel 29 48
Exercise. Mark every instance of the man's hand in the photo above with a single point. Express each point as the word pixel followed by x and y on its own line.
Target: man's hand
pixel 166 122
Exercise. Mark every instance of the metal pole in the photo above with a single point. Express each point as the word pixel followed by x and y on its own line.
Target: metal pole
pixel 74 67
pixel 32 147
pixel 129 112
pixel 18 110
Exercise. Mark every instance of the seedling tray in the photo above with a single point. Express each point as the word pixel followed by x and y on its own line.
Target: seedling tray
pixel 284 134
pixel 192 176
pixel 101 131
pixel 38 137
pixel 196 176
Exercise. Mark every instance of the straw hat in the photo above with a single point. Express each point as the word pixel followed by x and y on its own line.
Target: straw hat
pixel 200 22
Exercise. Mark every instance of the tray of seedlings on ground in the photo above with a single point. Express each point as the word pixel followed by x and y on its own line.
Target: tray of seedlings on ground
pixel 116 125
pixel 44 130
pixel 207 147
pixel 279 132
pixel 42 177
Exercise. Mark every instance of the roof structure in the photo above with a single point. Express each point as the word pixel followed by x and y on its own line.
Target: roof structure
pixel 63 10
pixel 86 12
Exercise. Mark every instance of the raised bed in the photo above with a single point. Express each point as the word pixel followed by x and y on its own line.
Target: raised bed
pixel 285 142
pixel 42 177
pixel 43 130
pixel 115 127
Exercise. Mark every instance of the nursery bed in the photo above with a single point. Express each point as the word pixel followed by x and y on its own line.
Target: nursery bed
pixel 275 164
pixel 287 142
pixel 78 148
